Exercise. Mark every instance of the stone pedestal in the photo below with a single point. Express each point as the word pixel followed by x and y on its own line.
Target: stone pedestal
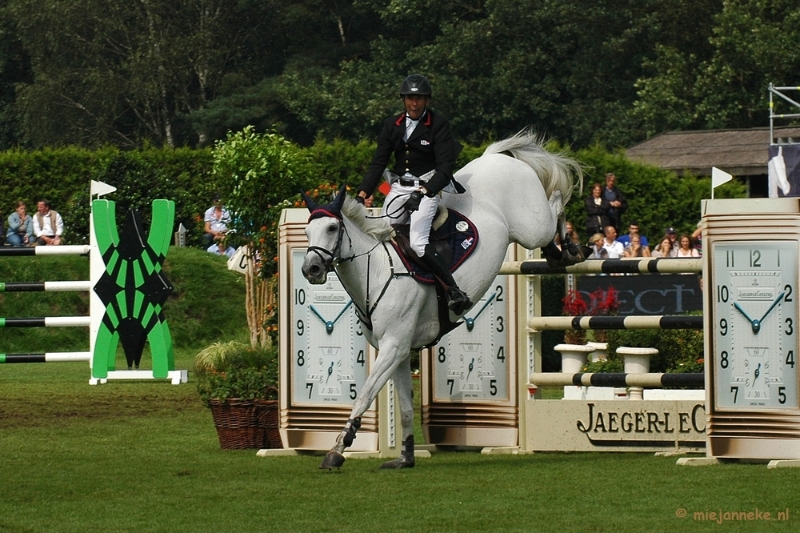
pixel 637 361
pixel 600 352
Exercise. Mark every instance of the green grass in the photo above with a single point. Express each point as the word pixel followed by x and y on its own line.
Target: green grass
pixel 140 457
pixel 144 457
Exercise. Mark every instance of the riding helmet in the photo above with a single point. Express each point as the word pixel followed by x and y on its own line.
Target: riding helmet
pixel 415 84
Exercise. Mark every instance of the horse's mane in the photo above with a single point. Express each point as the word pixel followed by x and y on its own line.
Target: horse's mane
pixel 555 170
pixel 358 215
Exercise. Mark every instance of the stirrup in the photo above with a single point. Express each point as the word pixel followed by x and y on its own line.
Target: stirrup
pixel 457 300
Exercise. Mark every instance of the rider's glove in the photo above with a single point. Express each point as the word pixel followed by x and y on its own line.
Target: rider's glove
pixel 412 204
pixel 360 199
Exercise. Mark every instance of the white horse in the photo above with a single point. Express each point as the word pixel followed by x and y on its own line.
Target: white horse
pixel 516 192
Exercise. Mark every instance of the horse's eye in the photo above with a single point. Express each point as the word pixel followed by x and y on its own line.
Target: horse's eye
pixel 332 228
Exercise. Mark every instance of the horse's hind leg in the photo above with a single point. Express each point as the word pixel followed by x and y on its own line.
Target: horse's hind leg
pixel 405 392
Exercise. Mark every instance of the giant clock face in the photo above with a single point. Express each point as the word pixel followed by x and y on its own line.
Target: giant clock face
pixel 471 362
pixel 755 324
pixel 329 352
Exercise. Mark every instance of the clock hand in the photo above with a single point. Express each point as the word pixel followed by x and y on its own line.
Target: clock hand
pixel 470 367
pixel 771 307
pixel 471 321
pixel 341 312
pixel 756 372
pixel 330 371
pixel 754 323
pixel 330 323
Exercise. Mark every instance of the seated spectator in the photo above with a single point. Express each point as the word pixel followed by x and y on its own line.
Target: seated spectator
pixel 686 247
pixel 664 248
pixel 673 237
pixel 596 210
pixel 596 243
pixel 48 227
pixel 635 248
pixel 573 235
pixel 20 227
pixel 217 219
pixel 221 248
pixel 613 248
pixel 633 229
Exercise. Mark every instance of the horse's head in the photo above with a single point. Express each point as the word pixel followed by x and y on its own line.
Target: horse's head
pixel 325 230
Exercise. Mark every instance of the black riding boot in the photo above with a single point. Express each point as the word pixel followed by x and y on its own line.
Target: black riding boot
pixel 457 300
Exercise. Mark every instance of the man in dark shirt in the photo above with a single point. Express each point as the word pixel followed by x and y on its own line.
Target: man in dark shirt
pixel 425 155
pixel 616 200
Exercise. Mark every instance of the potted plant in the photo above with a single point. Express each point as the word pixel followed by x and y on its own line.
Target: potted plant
pixel 239 384
pixel 574 350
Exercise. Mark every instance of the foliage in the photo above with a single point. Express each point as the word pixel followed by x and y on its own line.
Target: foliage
pixel 678 350
pixel 184 72
pixel 140 176
pixel 574 305
pixel 236 370
pixel 256 174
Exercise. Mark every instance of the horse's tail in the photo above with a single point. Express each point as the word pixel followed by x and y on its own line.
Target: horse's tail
pixel 556 171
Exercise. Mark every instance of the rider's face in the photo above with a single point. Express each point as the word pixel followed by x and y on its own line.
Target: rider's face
pixel 415 105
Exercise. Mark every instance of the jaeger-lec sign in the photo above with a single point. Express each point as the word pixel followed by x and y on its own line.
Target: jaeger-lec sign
pixel 611 425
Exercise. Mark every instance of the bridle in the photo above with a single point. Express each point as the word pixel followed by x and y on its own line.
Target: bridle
pixel 329 258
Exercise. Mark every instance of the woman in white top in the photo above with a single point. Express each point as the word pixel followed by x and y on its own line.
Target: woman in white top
pixel 686 248
pixel 664 248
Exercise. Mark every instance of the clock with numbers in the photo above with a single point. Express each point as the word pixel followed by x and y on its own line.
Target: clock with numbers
pixel 471 362
pixel 329 353
pixel 755 324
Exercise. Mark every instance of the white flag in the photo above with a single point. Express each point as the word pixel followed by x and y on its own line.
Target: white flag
pixel 99 188
pixel 718 177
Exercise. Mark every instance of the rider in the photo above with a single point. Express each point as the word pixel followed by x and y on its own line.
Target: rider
pixel 425 155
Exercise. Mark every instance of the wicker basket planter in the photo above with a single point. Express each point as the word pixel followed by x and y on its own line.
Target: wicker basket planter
pixel 246 424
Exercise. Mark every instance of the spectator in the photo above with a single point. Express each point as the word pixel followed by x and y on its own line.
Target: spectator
pixel 697 238
pixel 633 229
pixel 217 220
pixel 20 227
pixel 616 201
pixel 636 248
pixel 612 247
pixel 664 248
pixel 48 227
pixel 573 235
pixel 596 243
pixel 673 238
pixel 221 248
pixel 596 210
pixel 686 247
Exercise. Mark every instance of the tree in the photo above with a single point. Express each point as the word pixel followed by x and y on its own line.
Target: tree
pixel 106 71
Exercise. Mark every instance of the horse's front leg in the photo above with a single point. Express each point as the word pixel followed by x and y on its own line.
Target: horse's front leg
pixel 382 370
pixel 405 393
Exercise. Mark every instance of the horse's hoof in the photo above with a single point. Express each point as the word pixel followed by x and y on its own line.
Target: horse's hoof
pixel 332 460
pixel 400 462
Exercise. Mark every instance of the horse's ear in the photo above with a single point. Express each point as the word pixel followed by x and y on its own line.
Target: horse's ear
pixel 309 202
pixel 338 202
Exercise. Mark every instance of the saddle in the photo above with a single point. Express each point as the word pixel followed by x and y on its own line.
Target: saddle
pixel 455 238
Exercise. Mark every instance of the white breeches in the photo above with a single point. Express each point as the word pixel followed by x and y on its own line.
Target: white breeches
pixel 421 220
